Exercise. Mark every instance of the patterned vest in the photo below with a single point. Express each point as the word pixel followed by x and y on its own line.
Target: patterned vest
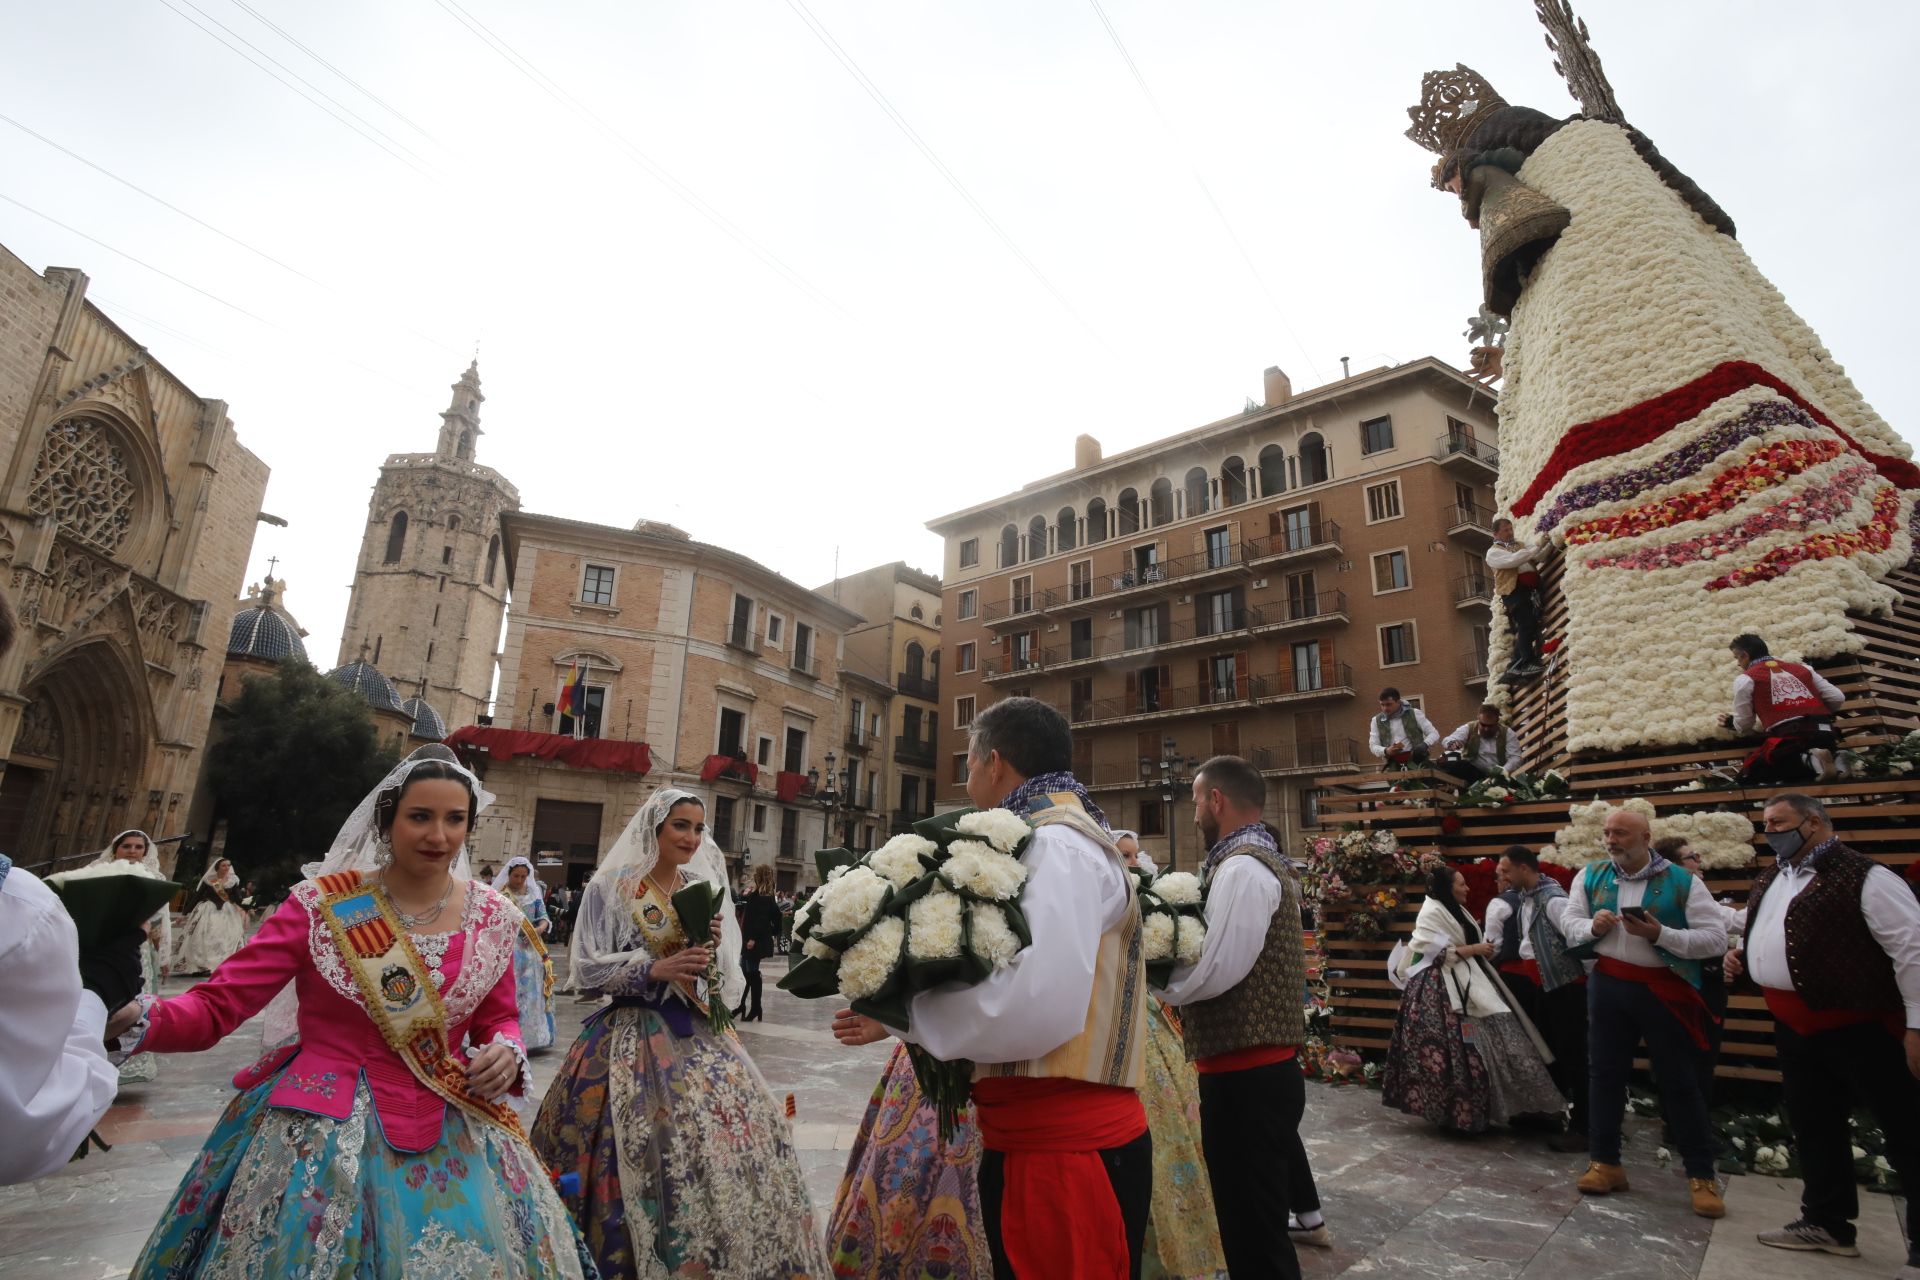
pixel 1111 1047
pixel 1783 691
pixel 1832 955
pixel 1509 933
pixel 1268 1006
pixel 1409 726
pixel 1665 901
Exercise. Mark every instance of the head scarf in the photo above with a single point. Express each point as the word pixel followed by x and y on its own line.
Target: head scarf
pixel 151 862
pixel 503 882
pixel 232 880
pixel 357 848
pixel 605 927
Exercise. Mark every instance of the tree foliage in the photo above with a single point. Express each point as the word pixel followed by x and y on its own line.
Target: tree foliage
pixel 297 753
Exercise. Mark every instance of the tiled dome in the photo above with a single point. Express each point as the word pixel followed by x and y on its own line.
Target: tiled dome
pixel 361 677
pixel 260 630
pixel 426 721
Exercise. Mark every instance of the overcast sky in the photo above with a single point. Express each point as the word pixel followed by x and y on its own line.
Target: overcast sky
pixel 714 282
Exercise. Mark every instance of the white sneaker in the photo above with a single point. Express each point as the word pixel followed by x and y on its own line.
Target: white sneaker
pixel 1822 761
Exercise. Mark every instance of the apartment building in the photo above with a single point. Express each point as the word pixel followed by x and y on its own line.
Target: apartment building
pixel 1246 586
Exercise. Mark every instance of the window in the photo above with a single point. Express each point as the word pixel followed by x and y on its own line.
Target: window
pixel 453 524
pixel 759 819
pixel 1397 646
pixel 1009 546
pixel 776 630
pixel 969 605
pixel 443 583
pixel 969 553
pixel 1128 505
pixel 1080 638
pixel 964 657
pixel 1226 738
pixel 1314 465
pixel 1153 817
pixel 765 754
pixel 789 833
pixel 1080 580
pixel 1160 502
pixel 1233 482
pixel 1223 678
pixel 1383 501
pixel 1302 600
pixel 910 792
pixel 1021 595
pixel 446 555
pixel 1310 806
pixel 916 613
pixel 1197 492
pixel 1390 572
pixel 723 811
pixel 1025 652
pixel 859 718
pixel 1097 520
pixel 1036 537
pixel 1376 436
pixel 1080 698
pixel 1273 470
pixel 916 661
pixel 959 775
pixel 596 585
pixel 1143 627
pixel 436 615
pixel 1306 666
pixel 589 719
pixel 1218 614
pixel 1065 531
pixel 962 712
pixel 1219 549
pixel 796 756
pixel 802 647
pixel 377 641
pixel 493 556
pixel 1297 524
pixel 1146 564
pixel 873 726
pixel 429 651
pixel 733 729
pixel 396 537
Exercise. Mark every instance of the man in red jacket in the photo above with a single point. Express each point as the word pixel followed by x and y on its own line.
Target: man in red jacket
pixel 1793 706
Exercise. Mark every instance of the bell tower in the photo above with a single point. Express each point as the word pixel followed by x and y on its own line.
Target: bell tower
pixel 430 587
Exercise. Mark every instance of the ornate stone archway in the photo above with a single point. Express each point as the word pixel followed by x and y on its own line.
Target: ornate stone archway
pixel 83 748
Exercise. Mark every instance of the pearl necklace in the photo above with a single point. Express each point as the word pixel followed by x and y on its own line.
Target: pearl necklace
pixel 415 921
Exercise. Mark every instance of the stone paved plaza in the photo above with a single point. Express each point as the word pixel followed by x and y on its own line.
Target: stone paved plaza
pixel 1401 1199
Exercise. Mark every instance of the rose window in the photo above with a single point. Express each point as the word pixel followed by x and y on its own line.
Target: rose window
pixel 81 480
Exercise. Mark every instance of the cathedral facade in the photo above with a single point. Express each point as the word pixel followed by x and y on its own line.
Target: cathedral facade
pixel 127 515
pixel 430 587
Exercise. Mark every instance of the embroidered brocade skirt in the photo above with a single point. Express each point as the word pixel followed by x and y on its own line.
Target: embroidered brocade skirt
pixel 277 1192
pixel 529 989
pixel 686 1164
pixel 1183 1235
pixel 212 933
pixel 143 1068
pixel 907 1206
pixel 1434 1071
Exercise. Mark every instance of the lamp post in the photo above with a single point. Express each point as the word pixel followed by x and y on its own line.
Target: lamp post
pixel 1171 782
pixel 832 798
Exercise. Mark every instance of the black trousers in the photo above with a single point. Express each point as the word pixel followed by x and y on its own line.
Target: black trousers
pixel 1129 1170
pixel 1245 1118
pixel 1824 1077
pixel 1523 615
pixel 1621 1014
pixel 1563 1024
pixel 750 969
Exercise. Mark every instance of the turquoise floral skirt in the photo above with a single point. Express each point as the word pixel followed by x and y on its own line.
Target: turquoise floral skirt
pixel 287 1193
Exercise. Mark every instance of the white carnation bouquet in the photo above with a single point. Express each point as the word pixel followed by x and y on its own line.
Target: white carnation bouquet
pixel 1172 926
pixel 937 904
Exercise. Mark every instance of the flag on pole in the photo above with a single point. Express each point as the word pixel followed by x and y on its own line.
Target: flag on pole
pixel 571 697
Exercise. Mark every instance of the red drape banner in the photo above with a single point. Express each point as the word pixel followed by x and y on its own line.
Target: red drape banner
pixel 789 787
pixel 609 754
pixel 718 767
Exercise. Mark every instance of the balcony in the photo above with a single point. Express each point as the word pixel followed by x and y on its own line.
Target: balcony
pixel 903 820
pixel 1475 671
pixel 1145 580
pixel 1460 450
pixel 917 751
pixel 1471 524
pixel 1334 680
pixel 805 664
pixel 1010 665
pixel 926 688
pixel 859 740
pixel 743 639
pixel 1475 590
pixel 1300 542
pixel 1298 613
pixel 1156 703
pixel 1034 604
pixel 1317 756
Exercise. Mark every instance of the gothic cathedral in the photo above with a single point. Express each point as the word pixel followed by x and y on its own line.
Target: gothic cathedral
pixel 430 589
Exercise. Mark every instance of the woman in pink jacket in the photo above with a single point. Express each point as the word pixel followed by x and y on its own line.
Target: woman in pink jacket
pixel 375 1138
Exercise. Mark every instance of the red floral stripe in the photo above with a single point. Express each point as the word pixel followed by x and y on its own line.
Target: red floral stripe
pixel 1875 535
pixel 1650 419
pixel 1729 489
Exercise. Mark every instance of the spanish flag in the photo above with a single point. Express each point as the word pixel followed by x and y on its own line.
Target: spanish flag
pixel 573 695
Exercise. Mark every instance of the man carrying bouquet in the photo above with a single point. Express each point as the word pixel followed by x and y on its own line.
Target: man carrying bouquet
pixel 1059 1034
pixel 1242 1011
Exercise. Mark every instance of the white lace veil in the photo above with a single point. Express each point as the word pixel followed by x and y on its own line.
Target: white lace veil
pixel 149 866
pixel 357 848
pixel 534 887
pixel 604 934
pixel 233 877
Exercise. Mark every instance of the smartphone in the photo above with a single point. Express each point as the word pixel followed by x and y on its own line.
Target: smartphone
pixel 1635 913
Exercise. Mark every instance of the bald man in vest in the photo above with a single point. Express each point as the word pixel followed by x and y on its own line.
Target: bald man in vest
pixel 1244 1020
pixel 1793 707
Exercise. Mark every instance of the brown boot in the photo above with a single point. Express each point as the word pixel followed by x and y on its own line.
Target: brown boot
pixel 1706 1197
pixel 1599 1179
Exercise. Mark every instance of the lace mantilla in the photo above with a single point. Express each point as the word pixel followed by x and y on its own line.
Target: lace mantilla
pixel 488 922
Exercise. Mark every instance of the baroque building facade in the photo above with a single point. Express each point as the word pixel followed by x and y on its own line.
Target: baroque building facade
pixel 127 515
pixel 430 586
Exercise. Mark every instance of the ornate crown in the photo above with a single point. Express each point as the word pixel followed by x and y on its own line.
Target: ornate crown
pixel 1451 104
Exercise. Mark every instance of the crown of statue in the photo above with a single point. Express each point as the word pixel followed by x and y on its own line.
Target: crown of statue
pixel 1451 106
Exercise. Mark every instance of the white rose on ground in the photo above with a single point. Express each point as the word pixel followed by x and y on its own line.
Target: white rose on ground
pixel 898 860
pixel 1157 936
pixel 1002 828
pixel 1178 889
pixel 868 963
pixel 980 869
pixel 856 896
pixel 1193 935
pixel 933 927
pixel 992 940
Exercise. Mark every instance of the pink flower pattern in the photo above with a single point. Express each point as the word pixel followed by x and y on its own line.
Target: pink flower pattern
pixel 1799 513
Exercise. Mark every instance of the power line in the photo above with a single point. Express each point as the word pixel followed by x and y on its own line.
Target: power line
pixel 880 99
pixel 1226 224
pixel 352 121
pixel 647 163
pixel 364 92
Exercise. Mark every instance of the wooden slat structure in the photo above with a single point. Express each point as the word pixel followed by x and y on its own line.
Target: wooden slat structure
pixel 1879 817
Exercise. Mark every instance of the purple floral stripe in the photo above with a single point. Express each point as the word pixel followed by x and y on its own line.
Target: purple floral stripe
pixel 1688 460
pixel 1798 513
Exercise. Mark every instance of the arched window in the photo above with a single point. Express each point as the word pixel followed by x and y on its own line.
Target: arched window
pixel 1009 547
pixel 377 640
pixel 1273 470
pixel 1097 520
pixel 453 524
pixel 933 660
pixel 1313 459
pixel 916 613
pixel 1233 482
pixel 493 556
pixel 1129 511
pixel 916 661
pixel 1197 498
pixel 466 444
pixel 1065 535
pixel 1160 502
pixel 1036 537
pixel 397 537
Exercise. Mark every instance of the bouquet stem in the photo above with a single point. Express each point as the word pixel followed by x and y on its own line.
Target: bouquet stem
pixel 947 1085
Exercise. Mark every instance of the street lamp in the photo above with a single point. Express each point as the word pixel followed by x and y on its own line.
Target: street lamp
pixel 1171 783
pixel 831 799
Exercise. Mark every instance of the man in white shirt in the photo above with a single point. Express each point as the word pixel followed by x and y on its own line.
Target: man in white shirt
pixel 1550 984
pixel 1485 746
pixel 1648 925
pixel 1833 940
pixel 1793 706
pixel 1516 580
pixel 1401 735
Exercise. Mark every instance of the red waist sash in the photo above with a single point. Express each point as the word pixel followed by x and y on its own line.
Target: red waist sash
pixel 1528 969
pixel 1791 1008
pixel 1058 1213
pixel 1259 1055
pixel 1671 990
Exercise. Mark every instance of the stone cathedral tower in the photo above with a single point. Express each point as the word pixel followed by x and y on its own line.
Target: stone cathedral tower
pixel 430 589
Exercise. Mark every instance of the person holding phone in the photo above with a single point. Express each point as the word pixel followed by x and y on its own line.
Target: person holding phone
pixel 1648 925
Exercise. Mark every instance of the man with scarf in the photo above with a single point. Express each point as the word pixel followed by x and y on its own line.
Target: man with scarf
pixel 1833 940
pixel 1485 746
pixel 1401 735
pixel 1059 1035
pixel 1648 924
pixel 1550 984
pixel 1243 1020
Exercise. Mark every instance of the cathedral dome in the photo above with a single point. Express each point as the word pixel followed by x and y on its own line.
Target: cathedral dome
pixel 361 677
pixel 261 630
pixel 426 721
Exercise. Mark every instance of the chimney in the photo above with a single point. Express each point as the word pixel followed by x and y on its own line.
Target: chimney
pixel 1279 386
pixel 1086 452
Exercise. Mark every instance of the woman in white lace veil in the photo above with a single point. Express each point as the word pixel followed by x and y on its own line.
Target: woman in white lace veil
pixel 503 878
pixel 156 952
pixel 357 848
pixel 604 935
pixel 149 866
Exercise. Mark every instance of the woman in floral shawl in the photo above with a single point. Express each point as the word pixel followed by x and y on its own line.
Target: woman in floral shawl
pixel 686 1164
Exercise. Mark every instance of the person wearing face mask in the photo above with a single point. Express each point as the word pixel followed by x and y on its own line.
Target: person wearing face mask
pixel 1833 940
pixel 1648 925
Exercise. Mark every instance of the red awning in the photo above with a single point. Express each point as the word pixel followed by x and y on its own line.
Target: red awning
pixel 609 754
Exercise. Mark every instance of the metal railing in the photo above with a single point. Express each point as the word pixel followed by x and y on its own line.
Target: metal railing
pixel 1473 588
pixel 1331 677
pixel 913 750
pixel 1319 535
pixel 1316 753
pixel 1457 444
pixel 1474 669
pixel 1469 515
pixel 923 687
pixel 806 664
pixel 1033 602
pixel 743 638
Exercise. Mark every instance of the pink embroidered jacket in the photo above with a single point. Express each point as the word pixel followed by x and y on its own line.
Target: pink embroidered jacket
pixel 338 1040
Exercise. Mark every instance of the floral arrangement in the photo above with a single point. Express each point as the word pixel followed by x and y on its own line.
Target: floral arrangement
pixel 937 904
pixel 1357 856
pixel 1723 840
pixel 1372 915
pixel 1762 1142
pixel 1498 790
pixel 1172 926
pixel 1888 760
